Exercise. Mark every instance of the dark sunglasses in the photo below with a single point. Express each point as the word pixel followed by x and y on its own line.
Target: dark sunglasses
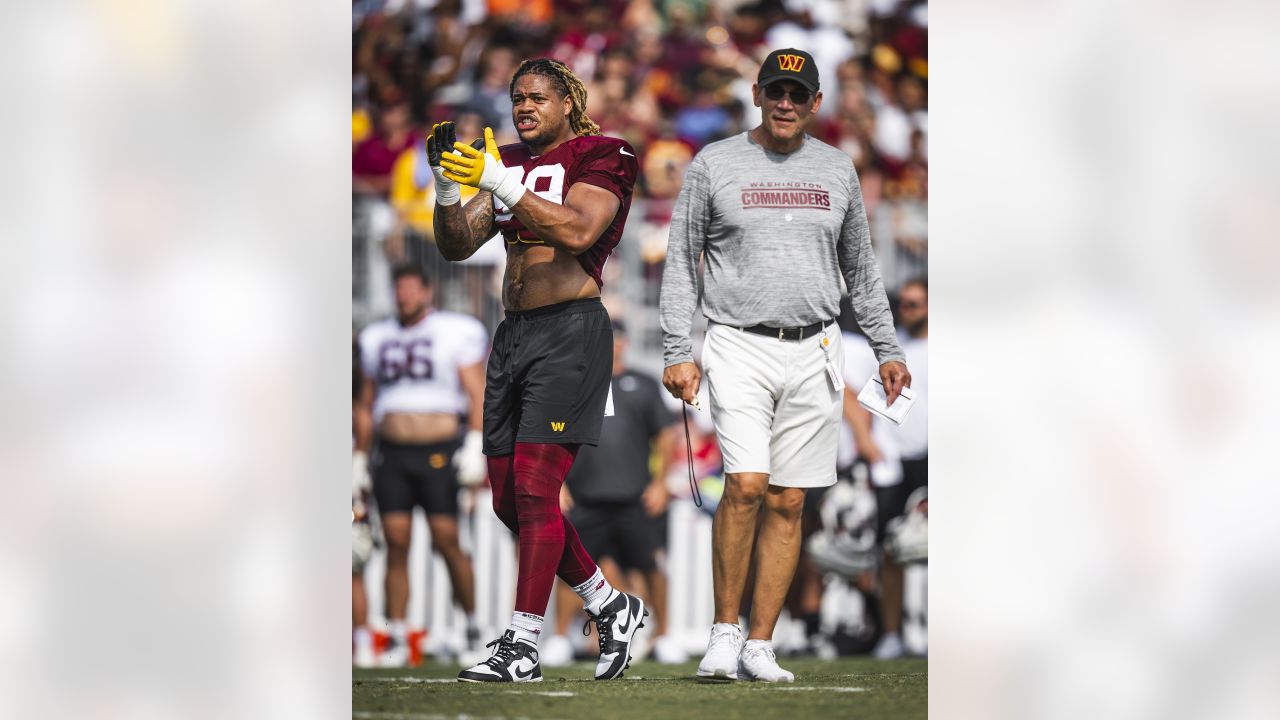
pixel 799 96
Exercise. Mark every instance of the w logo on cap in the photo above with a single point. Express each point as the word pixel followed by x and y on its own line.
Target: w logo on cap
pixel 792 63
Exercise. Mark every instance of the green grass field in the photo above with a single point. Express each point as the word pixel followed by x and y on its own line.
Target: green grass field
pixel 848 688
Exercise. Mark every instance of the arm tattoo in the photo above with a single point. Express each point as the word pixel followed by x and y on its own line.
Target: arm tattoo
pixel 461 230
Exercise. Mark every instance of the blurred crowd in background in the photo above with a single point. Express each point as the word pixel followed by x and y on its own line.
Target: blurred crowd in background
pixel 671 76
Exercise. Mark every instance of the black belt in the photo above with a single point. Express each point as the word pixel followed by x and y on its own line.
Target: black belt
pixel 798 333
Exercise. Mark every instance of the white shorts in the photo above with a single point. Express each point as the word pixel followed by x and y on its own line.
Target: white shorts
pixel 774 408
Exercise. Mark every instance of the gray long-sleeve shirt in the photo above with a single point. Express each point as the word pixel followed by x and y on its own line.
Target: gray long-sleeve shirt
pixel 777 232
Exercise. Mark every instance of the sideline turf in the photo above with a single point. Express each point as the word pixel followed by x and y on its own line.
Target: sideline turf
pixel 888 690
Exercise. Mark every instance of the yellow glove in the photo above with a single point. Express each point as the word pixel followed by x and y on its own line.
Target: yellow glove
pixel 484 170
pixel 490 145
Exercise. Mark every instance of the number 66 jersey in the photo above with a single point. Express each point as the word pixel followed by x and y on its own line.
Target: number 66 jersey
pixel 415 367
pixel 598 160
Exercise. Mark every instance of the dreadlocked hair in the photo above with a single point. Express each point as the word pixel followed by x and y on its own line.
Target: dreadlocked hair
pixel 567 84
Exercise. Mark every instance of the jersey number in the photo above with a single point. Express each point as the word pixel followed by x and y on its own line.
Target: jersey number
pixel 554 191
pixel 411 360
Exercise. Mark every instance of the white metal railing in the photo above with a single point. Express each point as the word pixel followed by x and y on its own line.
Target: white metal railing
pixel 689 591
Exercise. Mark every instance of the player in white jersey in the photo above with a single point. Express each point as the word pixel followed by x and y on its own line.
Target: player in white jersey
pixel 912 442
pixel 423 370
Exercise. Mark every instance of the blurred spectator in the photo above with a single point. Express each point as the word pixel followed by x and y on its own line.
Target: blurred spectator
pixel 423 372
pixel 668 76
pixel 608 94
pixel 491 96
pixel 912 100
pixel 661 69
pixel 893 125
pixel 374 158
pixel 588 31
pixel 682 41
pixel 664 166
pixel 361 126
pixel 904 217
pixel 617 498
pixel 871 463
pixel 912 442
pixel 703 119
pixel 447 39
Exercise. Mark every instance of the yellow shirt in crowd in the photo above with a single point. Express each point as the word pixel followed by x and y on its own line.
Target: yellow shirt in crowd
pixel 361 126
pixel 416 204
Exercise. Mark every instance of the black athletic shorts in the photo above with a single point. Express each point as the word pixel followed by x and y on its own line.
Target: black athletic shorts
pixel 548 376
pixel 891 500
pixel 622 531
pixel 406 474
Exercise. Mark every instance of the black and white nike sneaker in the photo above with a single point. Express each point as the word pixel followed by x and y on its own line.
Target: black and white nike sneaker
pixel 512 661
pixel 617 623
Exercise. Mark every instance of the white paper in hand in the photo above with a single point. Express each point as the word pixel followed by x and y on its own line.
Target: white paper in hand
pixel 874 398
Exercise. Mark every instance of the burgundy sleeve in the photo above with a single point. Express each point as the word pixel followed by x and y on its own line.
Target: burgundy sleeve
pixel 612 166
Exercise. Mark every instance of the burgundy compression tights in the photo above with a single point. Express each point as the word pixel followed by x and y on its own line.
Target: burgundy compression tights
pixel 526 497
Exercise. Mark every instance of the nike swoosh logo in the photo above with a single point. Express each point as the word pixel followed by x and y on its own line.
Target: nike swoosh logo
pixel 630 621
pixel 624 152
pixel 522 675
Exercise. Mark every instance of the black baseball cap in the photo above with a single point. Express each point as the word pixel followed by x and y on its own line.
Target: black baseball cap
pixel 789 64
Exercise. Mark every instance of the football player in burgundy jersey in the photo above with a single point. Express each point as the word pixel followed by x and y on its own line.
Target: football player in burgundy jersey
pixel 560 198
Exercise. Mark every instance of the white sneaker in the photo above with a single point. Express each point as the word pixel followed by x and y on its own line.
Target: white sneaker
pixel 556 651
pixel 443 650
pixel 889 647
pixel 720 664
pixel 396 655
pixel 823 648
pixel 757 662
pixel 362 642
pixel 668 651
pixel 364 657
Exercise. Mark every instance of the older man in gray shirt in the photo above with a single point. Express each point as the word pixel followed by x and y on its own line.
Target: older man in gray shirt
pixel 777 218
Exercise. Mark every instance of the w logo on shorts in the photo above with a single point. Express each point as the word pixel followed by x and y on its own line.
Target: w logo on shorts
pixel 793 63
pixel 557 426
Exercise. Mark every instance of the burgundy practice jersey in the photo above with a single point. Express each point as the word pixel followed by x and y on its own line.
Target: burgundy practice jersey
pixel 597 160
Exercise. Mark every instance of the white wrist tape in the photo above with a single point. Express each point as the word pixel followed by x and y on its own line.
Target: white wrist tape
pixel 448 192
pixel 509 189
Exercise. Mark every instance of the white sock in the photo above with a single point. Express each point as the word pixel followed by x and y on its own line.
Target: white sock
pixel 398 630
pixel 595 592
pixel 756 643
pixel 471 621
pixel 362 638
pixel 527 627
